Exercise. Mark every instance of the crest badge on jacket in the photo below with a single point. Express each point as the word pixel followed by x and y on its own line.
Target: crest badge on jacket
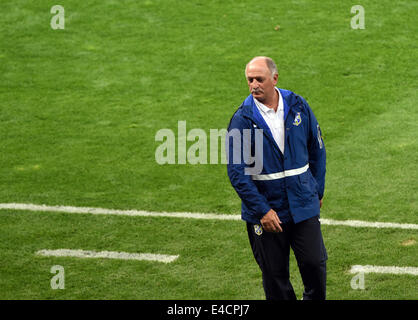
pixel 298 119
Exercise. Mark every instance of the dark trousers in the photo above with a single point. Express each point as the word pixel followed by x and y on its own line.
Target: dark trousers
pixel 271 251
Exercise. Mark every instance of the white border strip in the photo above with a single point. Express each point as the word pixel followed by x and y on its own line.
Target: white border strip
pixel 190 215
pixel 384 269
pixel 107 254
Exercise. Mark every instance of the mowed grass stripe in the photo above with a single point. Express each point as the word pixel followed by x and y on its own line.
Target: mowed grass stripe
pixel 189 215
pixel 78 253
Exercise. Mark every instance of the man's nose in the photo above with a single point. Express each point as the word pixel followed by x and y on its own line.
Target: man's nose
pixel 255 84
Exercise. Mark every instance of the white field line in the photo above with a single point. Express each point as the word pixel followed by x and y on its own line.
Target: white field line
pixel 140 213
pixel 384 269
pixel 190 215
pixel 368 224
pixel 107 254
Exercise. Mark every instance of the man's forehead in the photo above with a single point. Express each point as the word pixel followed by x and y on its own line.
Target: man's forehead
pixel 257 68
pixel 256 72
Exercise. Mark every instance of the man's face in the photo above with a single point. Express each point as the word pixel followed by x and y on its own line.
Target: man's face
pixel 260 82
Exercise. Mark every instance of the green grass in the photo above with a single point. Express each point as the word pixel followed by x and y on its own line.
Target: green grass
pixel 80 107
pixel 215 259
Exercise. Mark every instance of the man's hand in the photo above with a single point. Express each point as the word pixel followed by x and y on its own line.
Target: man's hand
pixel 320 203
pixel 271 222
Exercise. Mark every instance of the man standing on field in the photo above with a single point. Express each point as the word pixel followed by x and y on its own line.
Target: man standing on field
pixel 281 204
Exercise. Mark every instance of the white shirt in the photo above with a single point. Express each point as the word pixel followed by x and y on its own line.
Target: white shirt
pixel 274 120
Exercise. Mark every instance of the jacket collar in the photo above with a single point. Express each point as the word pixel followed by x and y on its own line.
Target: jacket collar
pixel 250 110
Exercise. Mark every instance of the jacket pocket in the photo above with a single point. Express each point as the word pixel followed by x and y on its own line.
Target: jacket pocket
pixel 273 190
pixel 308 188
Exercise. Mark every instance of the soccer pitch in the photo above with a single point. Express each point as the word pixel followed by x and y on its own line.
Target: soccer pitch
pixel 80 108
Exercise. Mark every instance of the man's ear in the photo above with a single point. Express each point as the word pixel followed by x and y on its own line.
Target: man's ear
pixel 275 78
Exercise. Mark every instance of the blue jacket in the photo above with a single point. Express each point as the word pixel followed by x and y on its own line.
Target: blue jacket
pixel 291 183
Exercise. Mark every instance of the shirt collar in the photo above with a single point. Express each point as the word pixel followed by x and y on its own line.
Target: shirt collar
pixel 263 108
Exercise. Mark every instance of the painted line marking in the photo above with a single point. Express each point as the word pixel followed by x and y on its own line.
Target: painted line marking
pixel 107 255
pixel 190 215
pixel 384 269
pixel 140 213
pixel 368 224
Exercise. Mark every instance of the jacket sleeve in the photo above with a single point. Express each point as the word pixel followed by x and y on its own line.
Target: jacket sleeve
pixel 255 202
pixel 317 154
